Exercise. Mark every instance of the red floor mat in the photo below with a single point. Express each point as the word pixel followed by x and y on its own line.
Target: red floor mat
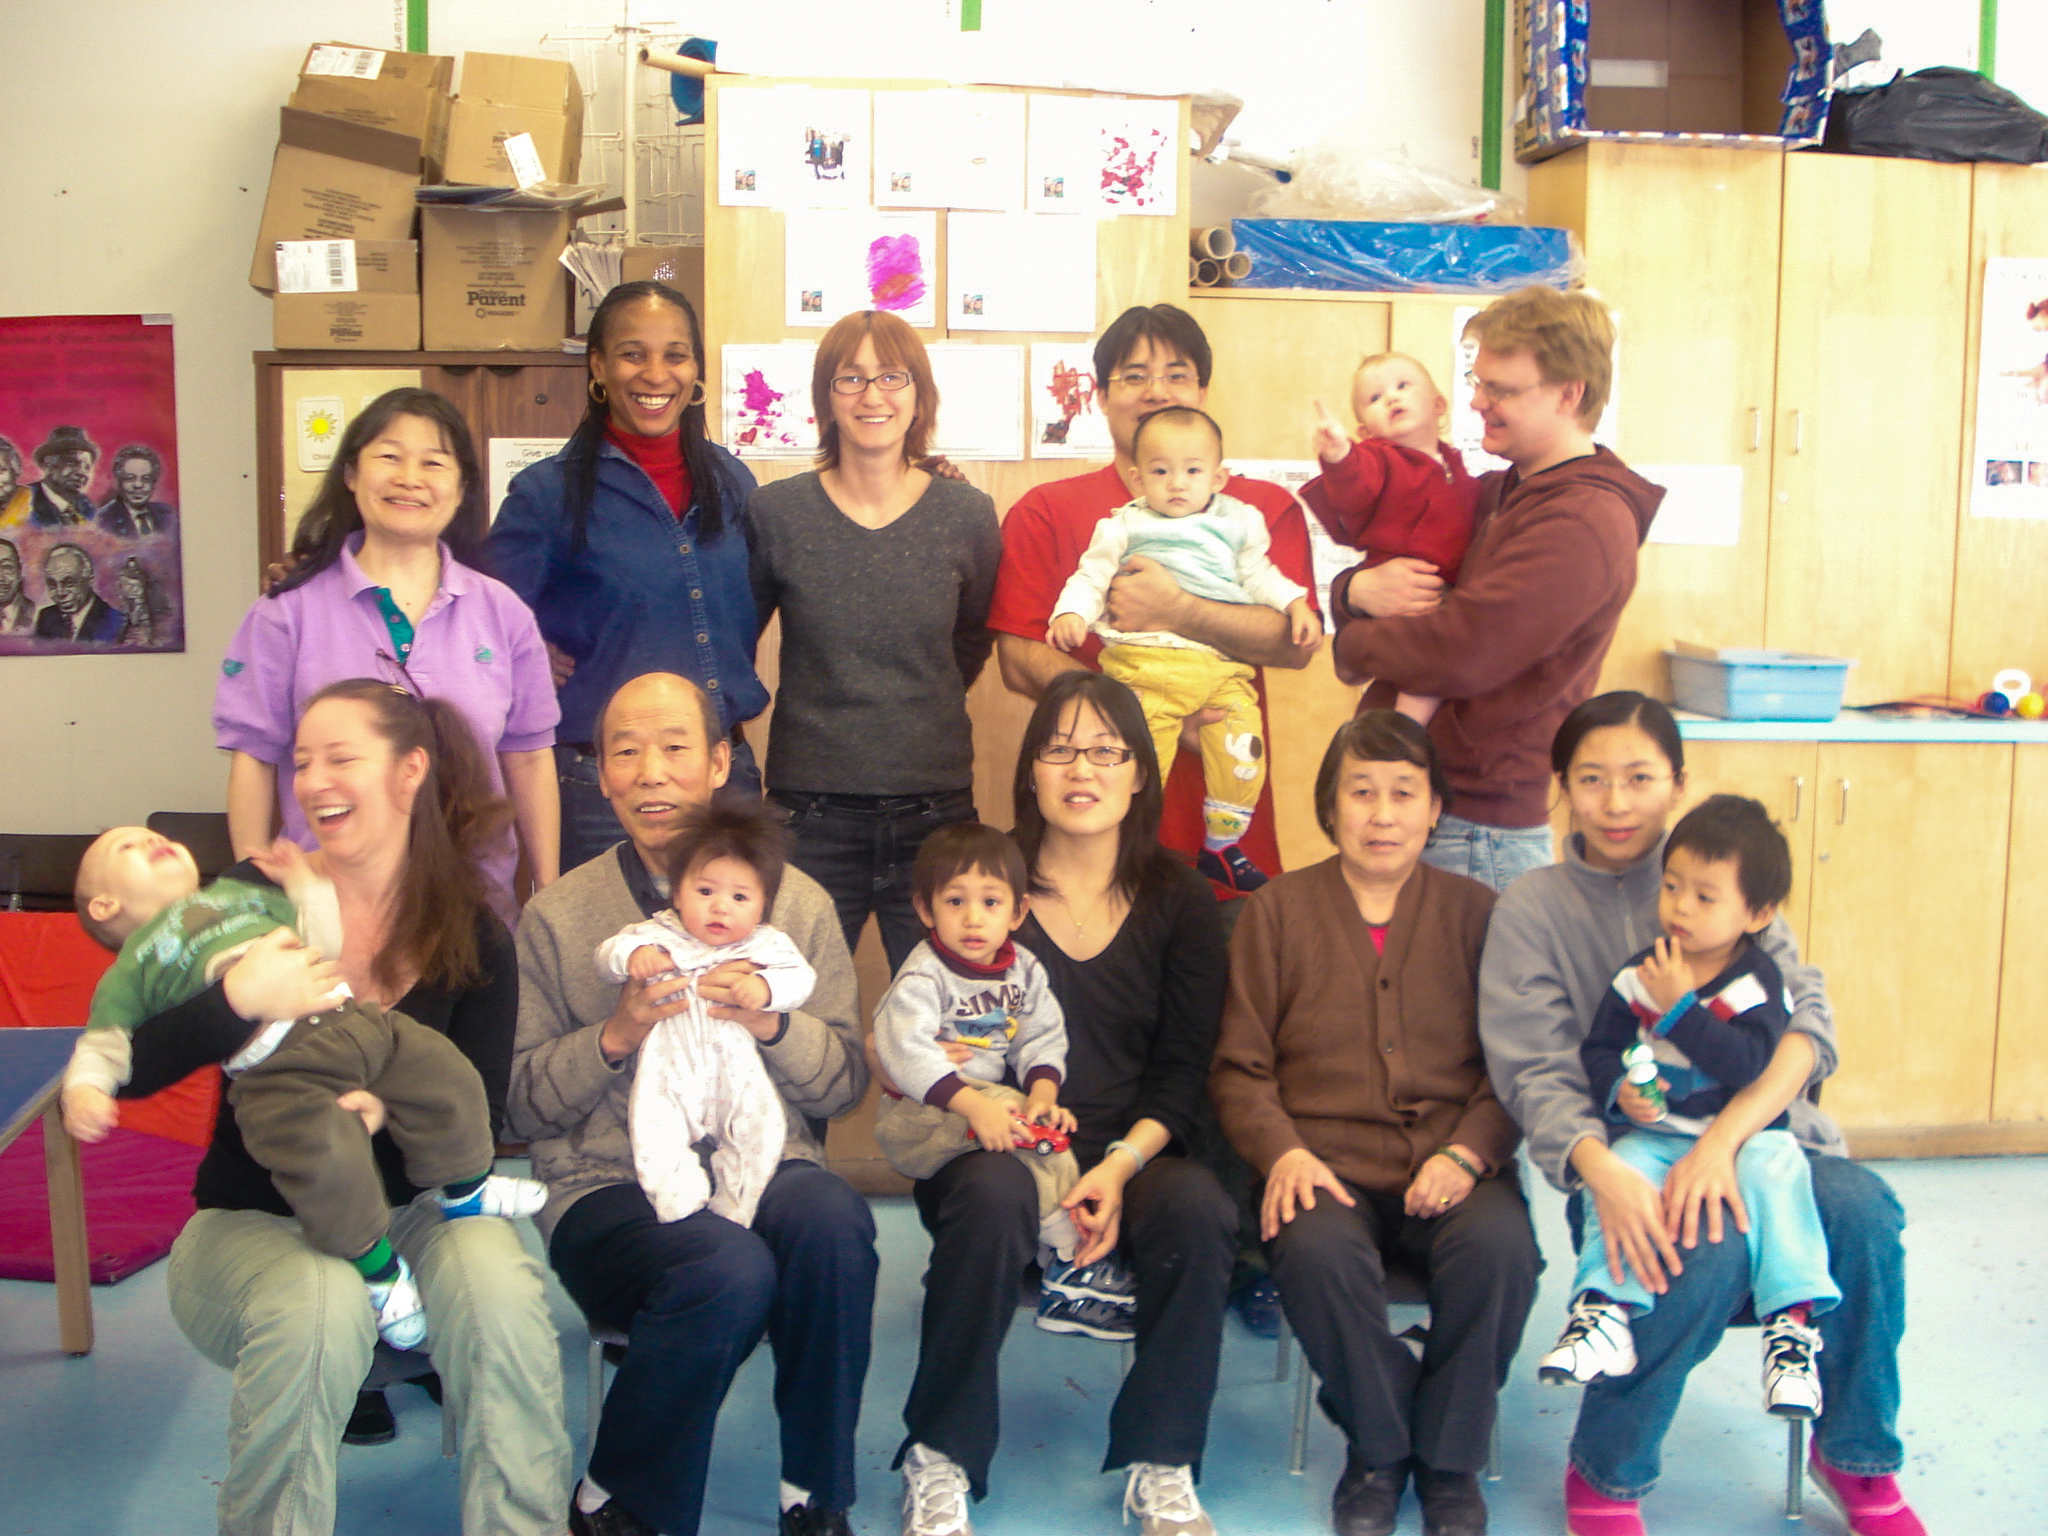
pixel 138 1194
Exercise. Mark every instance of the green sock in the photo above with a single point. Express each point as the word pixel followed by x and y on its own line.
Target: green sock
pixel 379 1264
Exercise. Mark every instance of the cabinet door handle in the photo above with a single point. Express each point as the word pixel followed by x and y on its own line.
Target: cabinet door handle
pixel 1798 794
pixel 1756 428
pixel 1798 431
pixel 1843 815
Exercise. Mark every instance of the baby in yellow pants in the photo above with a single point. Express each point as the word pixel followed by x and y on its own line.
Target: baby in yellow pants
pixel 1216 547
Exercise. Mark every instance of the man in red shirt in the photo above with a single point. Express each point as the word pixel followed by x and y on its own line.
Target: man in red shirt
pixel 1147 360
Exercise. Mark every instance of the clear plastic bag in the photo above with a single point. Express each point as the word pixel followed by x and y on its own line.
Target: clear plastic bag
pixel 1336 179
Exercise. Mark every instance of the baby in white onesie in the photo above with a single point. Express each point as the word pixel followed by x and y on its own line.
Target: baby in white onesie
pixel 701 1079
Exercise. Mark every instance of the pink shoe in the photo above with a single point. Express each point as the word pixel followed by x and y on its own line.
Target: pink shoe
pixel 1589 1512
pixel 1873 1506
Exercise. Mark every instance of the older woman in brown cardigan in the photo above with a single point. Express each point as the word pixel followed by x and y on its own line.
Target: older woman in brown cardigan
pixel 1349 1073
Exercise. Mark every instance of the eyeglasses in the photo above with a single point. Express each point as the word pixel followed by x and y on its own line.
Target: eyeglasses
pixel 1634 784
pixel 1139 378
pixel 1100 757
pixel 854 384
pixel 1497 392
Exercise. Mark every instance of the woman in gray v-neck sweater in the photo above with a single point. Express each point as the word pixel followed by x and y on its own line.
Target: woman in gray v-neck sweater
pixel 884 628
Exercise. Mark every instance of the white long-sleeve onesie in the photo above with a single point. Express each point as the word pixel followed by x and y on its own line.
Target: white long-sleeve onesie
pixel 700 1077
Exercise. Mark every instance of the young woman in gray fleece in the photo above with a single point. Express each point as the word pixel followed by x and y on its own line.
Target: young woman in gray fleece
pixel 1557 938
pixel 882 574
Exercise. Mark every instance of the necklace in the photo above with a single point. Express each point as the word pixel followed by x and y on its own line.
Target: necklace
pixel 1075 920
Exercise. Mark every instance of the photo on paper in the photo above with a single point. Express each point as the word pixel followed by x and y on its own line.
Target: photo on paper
pixel 2012 391
pixel 91 558
pixel 899 181
pixel 1063 153
pixel 972 304
pixel 814 301
pixel 745 181
pixel 766 404
pixel 981 401
pixel 825 154
pixel 1053 188
pixel 1066 404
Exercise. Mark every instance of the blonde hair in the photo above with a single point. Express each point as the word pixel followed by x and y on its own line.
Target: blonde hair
pixel 1571 336
pixel 1443 401
pixel 896 346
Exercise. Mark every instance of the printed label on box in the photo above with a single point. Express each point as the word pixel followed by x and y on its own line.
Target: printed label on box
pixel 356 63
pixel 524 159
pixel 316 266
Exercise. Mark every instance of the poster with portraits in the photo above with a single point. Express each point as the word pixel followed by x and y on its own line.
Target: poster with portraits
pixel 90 503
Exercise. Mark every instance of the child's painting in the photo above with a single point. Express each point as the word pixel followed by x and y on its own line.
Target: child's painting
pixel 835 263
pixel 90 502
pixel 1066 406
pixel 2012 391
pixel 1100 155
pixel 766 401
pixel 1140 171
pixel 793 146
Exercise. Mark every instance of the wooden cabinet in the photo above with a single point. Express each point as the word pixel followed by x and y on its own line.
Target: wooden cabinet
pixel 2020 1084
pixel 1781 774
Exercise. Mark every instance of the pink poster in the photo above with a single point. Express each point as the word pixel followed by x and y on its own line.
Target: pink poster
pixel 89 493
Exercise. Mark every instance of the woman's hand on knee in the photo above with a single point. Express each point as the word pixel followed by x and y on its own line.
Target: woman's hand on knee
pixel 1291 1187
pixel 1631 1223
pixel 1703 1180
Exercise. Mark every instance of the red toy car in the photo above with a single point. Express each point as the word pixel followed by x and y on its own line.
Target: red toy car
pixel 1042 1139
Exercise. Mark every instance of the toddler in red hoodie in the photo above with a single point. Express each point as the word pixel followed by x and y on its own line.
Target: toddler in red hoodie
pixel 1398 489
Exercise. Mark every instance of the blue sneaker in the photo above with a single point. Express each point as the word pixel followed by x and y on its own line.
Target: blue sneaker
pixel 1089 1315
pixel 1230 868
pixel 1257 1305
pixel 497 1196
pixel 1106 1280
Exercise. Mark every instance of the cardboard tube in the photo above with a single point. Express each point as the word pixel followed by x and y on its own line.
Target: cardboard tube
pixel 1208 273
pixel 676 64
pixel 1216 242
pixel 1237 265
pixel 1191 269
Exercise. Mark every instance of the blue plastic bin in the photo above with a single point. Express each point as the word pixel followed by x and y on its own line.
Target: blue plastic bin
pixel 1738 684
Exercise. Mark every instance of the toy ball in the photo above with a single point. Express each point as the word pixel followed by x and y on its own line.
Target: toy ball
pixel 1995 703
pixel 2031 706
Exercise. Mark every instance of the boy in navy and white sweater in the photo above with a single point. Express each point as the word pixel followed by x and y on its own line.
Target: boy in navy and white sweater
pixel 1686 1024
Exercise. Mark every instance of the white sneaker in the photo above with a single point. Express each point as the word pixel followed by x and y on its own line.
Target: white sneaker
pixel 1163 1498
pixel 934 1494
pixel 1791 1374
pixel 498 1195
pixel 1596 1342
pixel 401 1315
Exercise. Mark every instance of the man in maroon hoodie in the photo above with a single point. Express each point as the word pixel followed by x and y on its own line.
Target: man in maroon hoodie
pixel 1517 644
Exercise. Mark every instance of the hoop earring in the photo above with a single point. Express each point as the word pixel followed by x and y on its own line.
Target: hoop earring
pixel 698 395
pixel 598 393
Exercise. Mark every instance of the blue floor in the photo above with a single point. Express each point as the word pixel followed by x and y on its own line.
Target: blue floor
pixel 129 1441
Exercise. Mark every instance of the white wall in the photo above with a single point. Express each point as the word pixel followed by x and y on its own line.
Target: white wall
pixel 136 169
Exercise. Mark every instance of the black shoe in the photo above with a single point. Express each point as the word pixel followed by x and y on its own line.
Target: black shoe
pixel 612 1519
pixel 809 1520
pixel 431 1385
pixel 371 1423
pixel 1451 1503
pixel 1257 1305
pixel 1367 1498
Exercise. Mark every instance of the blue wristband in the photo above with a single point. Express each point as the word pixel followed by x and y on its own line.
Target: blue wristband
pixel 1679 1010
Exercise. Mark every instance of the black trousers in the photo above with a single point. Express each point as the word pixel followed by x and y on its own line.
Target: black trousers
pixel 1330 1264
pixel 861 848
pixel 1178 1233
pixel 694 1297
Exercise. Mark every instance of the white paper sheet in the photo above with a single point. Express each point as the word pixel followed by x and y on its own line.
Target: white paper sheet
pixel 981 400
pixel 1063 155
pixel 1066 410
pixel 1331 558
pixel 1020 272
pixel 766 400
pixel 1702 503
pixel 793 146
pixel 504 457
pixel 949 149
pixel 1102 155
pixel 839 261
pixel 2009 465
pixel 1466 427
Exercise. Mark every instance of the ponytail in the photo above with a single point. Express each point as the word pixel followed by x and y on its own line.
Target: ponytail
pixel 456 818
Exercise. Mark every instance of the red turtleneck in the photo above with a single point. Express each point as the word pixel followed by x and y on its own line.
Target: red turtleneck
pixel 662 458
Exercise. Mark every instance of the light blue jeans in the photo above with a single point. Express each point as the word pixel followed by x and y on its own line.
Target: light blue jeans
pixel 1491 855
pixel 1788 1255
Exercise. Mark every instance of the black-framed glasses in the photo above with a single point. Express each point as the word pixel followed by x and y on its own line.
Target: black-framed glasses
pixel 1100 757
pixel 854 384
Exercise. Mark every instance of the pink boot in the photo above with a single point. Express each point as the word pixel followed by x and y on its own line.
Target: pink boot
pixel 1873 1506
pixel 1588 1512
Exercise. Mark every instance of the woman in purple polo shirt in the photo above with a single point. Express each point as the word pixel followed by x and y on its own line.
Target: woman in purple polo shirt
pixel 385 585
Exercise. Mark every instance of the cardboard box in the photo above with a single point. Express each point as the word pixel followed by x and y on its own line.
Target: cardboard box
pixel 334 180
pixel 491 280
pixel 502 95
pixel 681 267
pixel 1742 73
pixel 404 92
pixel 381 314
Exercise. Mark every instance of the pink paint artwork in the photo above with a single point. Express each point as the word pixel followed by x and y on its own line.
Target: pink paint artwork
pixel 896 272
pixel 1073 393
pixel 1130 169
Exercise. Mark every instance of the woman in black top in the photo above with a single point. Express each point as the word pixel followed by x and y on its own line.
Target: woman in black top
pixel 1134 951
pixel 397 795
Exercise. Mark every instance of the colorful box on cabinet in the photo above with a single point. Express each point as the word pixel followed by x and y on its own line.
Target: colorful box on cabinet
pixel 1736 73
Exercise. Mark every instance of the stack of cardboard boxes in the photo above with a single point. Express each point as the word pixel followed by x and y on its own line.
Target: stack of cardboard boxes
pixel 364 129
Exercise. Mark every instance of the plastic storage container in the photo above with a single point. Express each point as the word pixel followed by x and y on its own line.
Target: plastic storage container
pixel 1738 684
pixel 1362 256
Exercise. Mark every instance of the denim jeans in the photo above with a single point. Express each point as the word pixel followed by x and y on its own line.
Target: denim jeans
pixel 1618 1443
pixel 861 848
pixel 1491 855
pixel 588 825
